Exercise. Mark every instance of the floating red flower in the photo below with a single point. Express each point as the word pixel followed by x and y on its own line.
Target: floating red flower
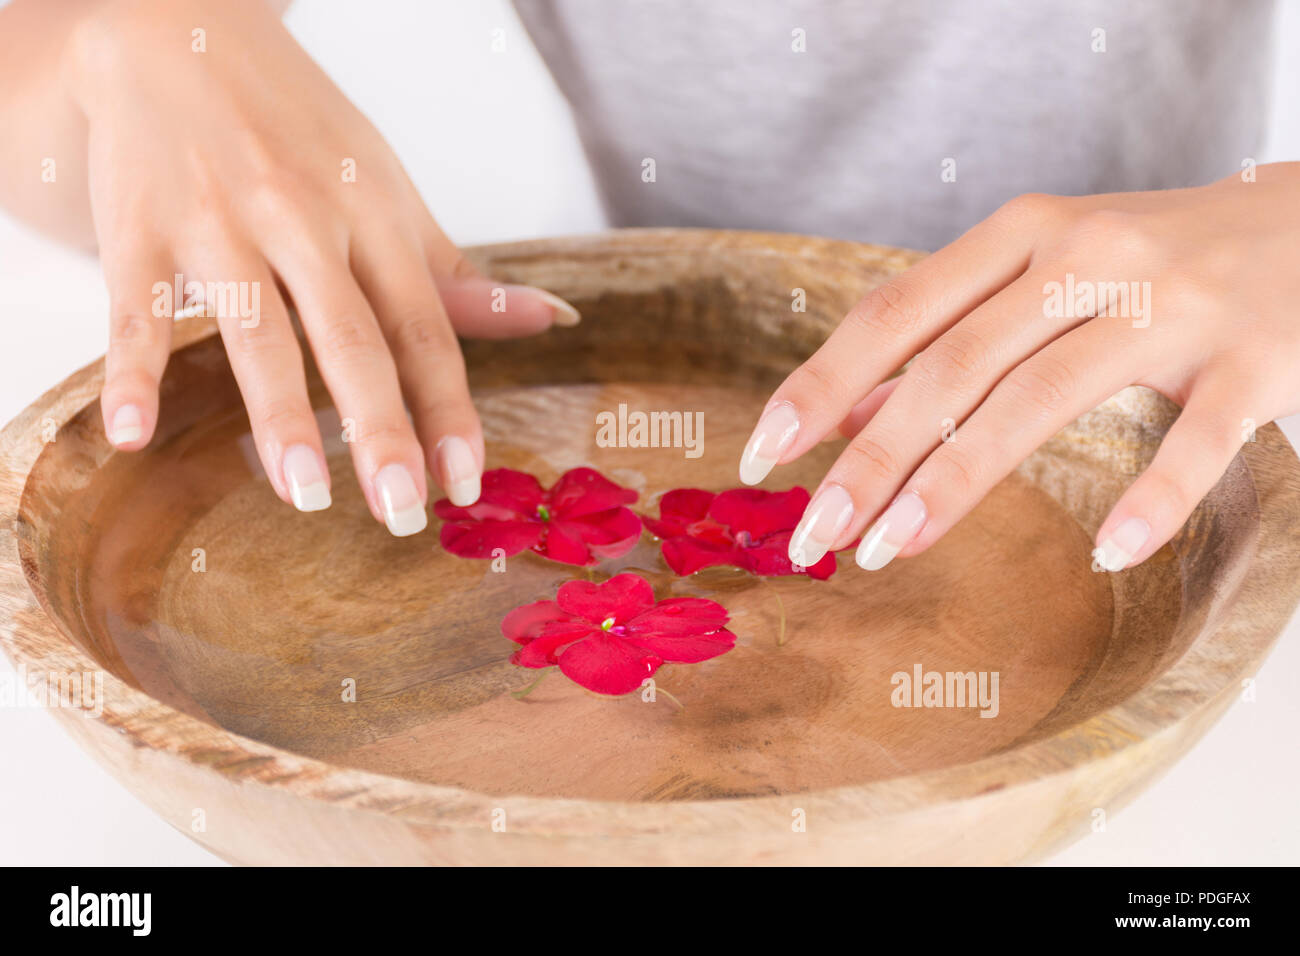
pixel 581 519
pixel 610 637
pixel 745 527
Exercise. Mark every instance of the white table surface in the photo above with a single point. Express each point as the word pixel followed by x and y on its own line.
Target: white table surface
pixel 1231 800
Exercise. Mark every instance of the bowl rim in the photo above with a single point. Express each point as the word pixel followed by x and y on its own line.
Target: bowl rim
pixel 1173 709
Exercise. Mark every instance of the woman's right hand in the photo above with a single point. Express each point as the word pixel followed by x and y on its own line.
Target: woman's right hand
pixel 220 152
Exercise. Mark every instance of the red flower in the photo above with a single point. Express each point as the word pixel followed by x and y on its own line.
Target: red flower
pixel 580 520
pixel 610 637
pixel 744 527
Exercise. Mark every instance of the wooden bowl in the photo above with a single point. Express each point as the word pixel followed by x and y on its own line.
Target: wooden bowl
pixel 227 625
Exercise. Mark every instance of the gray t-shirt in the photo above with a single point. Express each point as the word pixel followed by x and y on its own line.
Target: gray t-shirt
pixel 899 122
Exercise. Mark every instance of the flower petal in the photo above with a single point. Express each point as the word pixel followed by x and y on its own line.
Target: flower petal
pixel 478 511
pixel 614 656
pixel 772 559
pixel 678 509
pixel 685 615
pixel 623 597
pixel 607 665
pixel 759 512
pixel 585 491
pixel 478 539
pixel 525 622
pixel 542 628
pixel 540 651
pixel 512 489
pixel 609 534
pixel 559 545
pixel 682 629
pixel 506 495
pixel 824 568
pixel 686 555
pixel 685 648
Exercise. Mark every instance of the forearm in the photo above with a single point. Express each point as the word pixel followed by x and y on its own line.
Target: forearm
pixel 43 149
pixel 43 146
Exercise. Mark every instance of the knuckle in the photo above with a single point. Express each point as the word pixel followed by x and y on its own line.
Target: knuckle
pixel 345 338
pixel 445 396
pixel 383 430
pixel 1170 491
pixel 282 206
pixel 954 361
pixel 276 194
pixel 266 354
pixel 129 381
pixel 1218 435
pixel 1126 236
pixel 134 328
pixel 820 382
pixel 954 468
pixel 892 309
pixel 461 267
pixel 869 459
pixel 420 332
pixel 1045 385
pixel 1185 292
pixel 280 414
pixel 1027 208
pixel 442 407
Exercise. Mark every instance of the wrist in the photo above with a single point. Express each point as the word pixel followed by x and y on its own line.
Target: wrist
pixel 111 39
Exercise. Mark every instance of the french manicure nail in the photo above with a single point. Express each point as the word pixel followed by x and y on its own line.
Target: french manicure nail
pixel 772 436
pixel 458 471
pixel 566 316
pixel 827 517
pixel 305 475
pixel 1117 551
pixel 900 523
pixel 403 510
pixel 127 426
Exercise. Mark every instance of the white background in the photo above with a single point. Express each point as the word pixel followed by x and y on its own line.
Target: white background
pixel 494 154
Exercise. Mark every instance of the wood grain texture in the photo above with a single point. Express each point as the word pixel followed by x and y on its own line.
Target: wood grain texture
pixel 222 687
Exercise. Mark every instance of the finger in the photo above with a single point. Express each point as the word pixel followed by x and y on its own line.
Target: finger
pixel 445 259
pixel 361 376
pixel 865 410
pixel 265 357
pixel 942 386
pixel 480 307
pixel 885 329
pixel 397 282
pixel 1193 456
pixel 487 309
pixel 139 343
pixel 1031 404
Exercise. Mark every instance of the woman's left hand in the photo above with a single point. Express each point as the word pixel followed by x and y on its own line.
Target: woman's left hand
pixel 1194 294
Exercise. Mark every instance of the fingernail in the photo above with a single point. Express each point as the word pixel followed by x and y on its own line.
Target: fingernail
pixel 403 510
pixel 1116 552
pixel 305 476
pixel 566 315
pixel 892 531
pixel 458 471
pixel 772 436
pixel 826 518
pixel 127 426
